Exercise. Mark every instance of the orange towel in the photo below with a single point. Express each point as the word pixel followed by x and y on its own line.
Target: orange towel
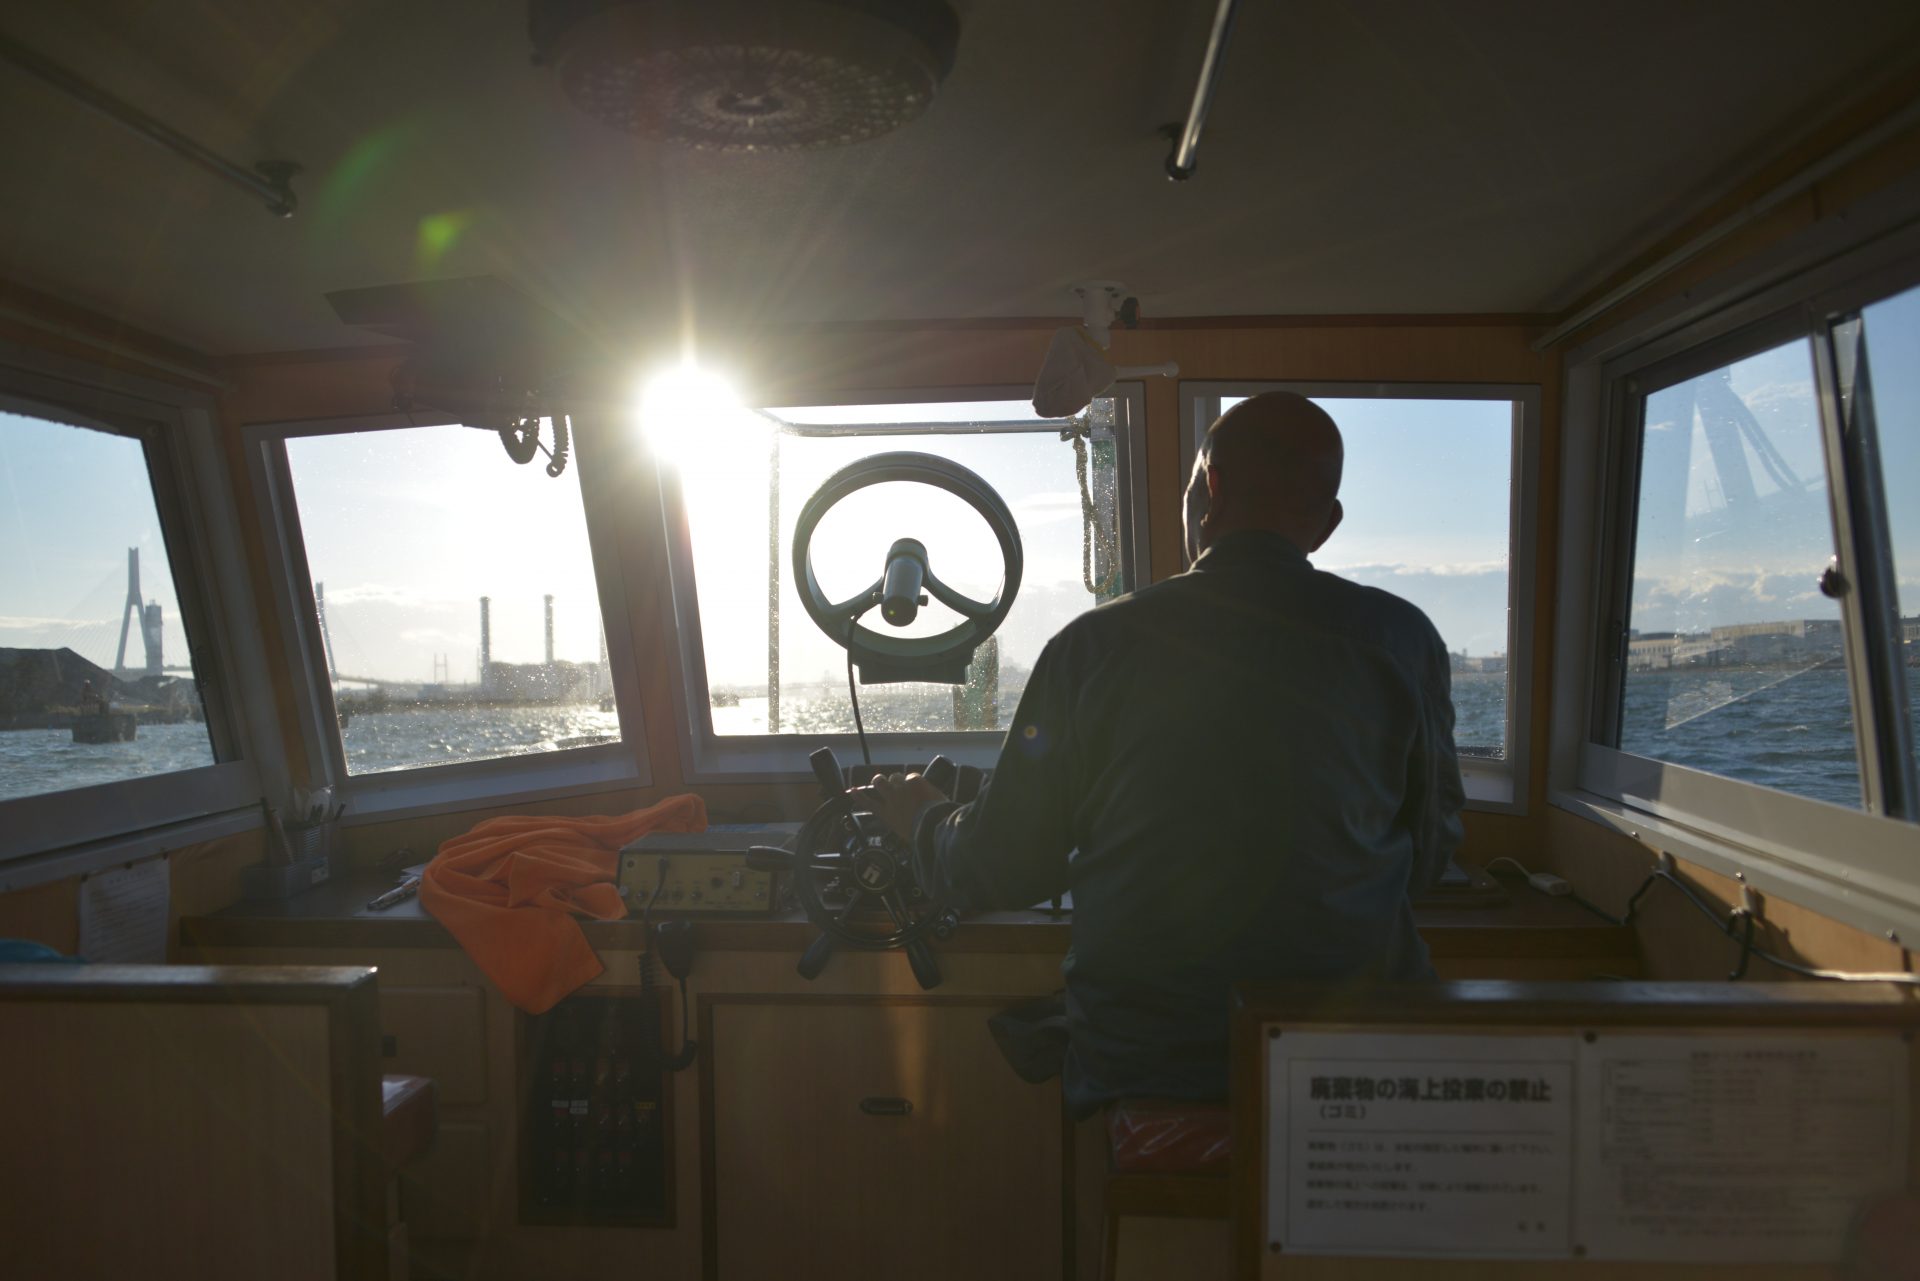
pixel 507 891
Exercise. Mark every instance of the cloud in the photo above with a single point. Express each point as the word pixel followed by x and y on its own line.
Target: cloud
pixel 434 636
pixel 368 593
pixel 1047 508
pixel 1444 569
pixel 19 622
pixel 1710 598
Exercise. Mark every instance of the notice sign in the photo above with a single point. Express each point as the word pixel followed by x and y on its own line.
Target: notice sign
pixel 1420 1145
pixel 1737 1147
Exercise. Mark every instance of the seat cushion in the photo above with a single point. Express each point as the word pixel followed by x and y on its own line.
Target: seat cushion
pixel 1169 1136
pixel 409 1117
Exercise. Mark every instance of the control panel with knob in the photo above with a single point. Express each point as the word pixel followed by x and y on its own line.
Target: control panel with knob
pixel 708 871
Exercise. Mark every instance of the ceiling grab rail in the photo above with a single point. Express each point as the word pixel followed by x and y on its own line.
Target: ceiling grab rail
pixel 1180 161
pixel 267 181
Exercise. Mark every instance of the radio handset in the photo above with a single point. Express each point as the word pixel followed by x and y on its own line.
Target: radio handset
pixel 522 441
pixel 676 944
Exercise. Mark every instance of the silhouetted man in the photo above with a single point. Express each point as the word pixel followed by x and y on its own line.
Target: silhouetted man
pixel 1241 772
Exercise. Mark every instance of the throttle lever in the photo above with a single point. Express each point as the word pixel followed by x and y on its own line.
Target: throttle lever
pixel 826 768
pixel 942 773
pixel 768 858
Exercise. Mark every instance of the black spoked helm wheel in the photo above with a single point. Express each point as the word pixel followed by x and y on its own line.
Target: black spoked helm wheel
pixel 840 843
pixel 846 851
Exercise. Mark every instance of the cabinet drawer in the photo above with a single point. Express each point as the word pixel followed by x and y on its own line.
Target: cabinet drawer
pixel 438 1032
pixel 879 1135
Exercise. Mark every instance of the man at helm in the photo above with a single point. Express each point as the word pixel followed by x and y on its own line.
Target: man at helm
pixel 1241 772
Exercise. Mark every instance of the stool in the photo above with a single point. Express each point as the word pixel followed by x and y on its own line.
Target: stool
pixel 1166 1205
pixel 409 1116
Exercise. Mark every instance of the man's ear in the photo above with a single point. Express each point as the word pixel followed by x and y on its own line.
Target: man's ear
pixel 1213 485
pixel 1334 518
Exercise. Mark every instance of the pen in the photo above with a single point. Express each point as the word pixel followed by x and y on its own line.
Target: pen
pixel 398 894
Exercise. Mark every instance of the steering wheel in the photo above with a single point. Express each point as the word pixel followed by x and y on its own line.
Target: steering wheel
pixel 857 881
pixel 882 658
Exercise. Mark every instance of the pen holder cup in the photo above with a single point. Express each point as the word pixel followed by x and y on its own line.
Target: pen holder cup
pixel 309 848
pixel 307 842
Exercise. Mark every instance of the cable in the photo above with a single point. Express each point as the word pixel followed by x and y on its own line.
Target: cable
pixel 1546 882
pixel 558 454
pixel 853 696
pixel 1739 925
pixel 689 1048
pixel 646 925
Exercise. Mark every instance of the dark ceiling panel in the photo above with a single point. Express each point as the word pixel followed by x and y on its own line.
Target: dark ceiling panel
pixel 1362 156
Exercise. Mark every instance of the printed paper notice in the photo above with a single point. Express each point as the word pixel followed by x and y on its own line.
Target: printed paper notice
pixel 1420 1145
pixel 123 915
pixel 1737 1147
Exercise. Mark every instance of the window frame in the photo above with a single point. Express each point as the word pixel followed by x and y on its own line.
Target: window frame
pixel 458 786
pixel 1498 785
pixel 78 830
pixel 708 757
pixel 1771 841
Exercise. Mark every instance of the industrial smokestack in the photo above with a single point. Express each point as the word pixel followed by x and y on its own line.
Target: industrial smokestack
pixel 486 637
pixel 549 630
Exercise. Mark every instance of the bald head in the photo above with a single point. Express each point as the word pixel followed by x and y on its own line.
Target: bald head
pixel 1272 463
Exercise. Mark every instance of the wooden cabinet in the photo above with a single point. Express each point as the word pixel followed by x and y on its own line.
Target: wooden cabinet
pixel 876 1137
pixel 437 1032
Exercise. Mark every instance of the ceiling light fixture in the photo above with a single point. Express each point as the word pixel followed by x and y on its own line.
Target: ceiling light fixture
pixel 747 75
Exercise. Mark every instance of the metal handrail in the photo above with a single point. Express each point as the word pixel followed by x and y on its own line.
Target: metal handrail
pixel 1180 161
pixel 267 181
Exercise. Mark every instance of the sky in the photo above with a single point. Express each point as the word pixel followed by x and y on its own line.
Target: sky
pixel 73 500
pixel 408 528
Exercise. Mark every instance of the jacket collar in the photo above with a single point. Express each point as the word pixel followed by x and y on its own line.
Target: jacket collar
pixel 1251 547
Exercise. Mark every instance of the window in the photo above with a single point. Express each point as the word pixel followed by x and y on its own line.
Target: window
pixel 96 667
pixel 1889 333
pixel 121 647
pixel 450 611
pixel 1750 651
pixel 1734 660
pixel 1433 515
pixel 763 673
pixel 1739 586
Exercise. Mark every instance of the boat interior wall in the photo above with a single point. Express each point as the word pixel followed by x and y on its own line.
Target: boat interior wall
pixel 58 327
pixel 201 878
pixel 1894 156
pixel 1677 942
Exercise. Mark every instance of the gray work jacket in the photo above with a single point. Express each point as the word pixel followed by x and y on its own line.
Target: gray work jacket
pixel 1240 773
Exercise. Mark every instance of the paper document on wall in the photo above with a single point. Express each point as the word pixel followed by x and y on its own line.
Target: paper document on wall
pixel 1737 1147
pixel 123 914
pixel 1420 1145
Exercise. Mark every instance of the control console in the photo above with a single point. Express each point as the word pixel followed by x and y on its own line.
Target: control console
pixel 671 872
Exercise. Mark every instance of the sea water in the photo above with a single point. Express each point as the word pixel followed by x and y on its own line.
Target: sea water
pixel 1789 730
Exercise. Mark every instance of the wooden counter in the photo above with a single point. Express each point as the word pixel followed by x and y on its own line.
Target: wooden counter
pixel 1528 927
